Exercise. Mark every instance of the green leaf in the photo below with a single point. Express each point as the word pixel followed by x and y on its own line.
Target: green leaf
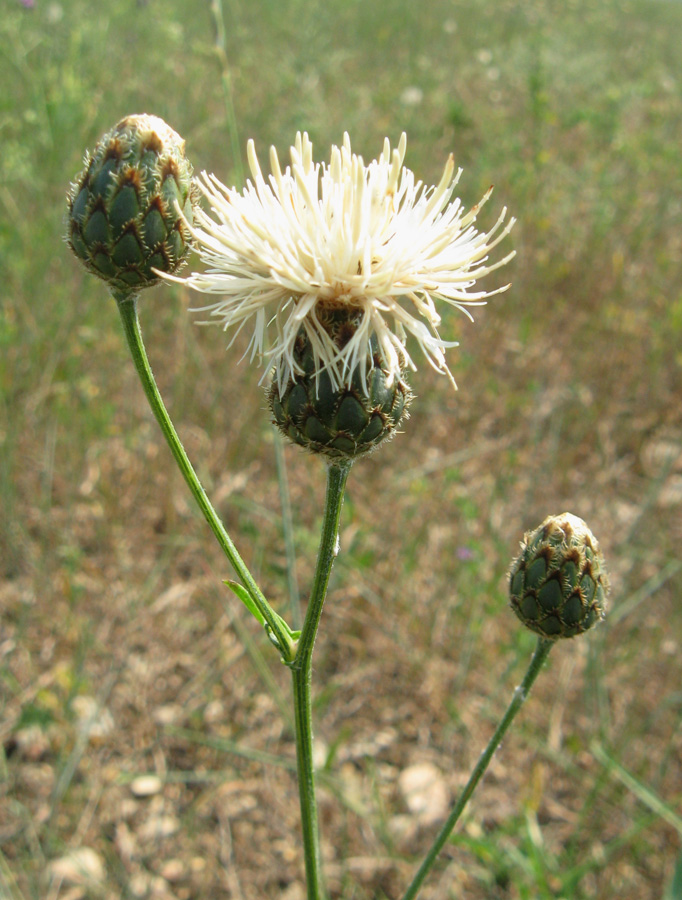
pixel 240 591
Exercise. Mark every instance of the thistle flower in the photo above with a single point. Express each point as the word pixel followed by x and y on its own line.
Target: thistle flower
pixel 128 209
pixel 315 240
pixel 558 583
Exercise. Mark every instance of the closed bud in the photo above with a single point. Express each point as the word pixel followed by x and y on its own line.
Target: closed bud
pixel 126 208
pixel 558 583
pixel 340 421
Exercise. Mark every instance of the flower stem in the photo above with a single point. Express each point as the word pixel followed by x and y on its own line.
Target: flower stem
pixel 301 677
pixel 127 305
pixel 539 656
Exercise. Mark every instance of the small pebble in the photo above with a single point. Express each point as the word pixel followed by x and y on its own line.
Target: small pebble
pixel 146 785
pixel 168 714
pixel 425 792
pixel 158 827
pixel 80 866
pixel 173 870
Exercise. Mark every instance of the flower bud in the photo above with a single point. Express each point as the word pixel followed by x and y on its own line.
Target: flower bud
pixel 339 421
pixel 558 583
pixel 123 208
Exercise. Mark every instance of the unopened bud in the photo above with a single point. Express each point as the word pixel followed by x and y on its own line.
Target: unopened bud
pixel 558 583
pixel 123 218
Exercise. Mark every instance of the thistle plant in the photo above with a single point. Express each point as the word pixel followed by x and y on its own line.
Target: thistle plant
pixel 336 268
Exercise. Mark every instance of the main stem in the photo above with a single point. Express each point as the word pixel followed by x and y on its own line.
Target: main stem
pixel 541 651
pixel 127 306
pixel 301 677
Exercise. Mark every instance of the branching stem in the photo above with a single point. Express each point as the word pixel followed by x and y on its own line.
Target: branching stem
pixel 127 306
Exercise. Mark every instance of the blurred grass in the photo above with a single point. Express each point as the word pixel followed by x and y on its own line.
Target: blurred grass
pixel 570 398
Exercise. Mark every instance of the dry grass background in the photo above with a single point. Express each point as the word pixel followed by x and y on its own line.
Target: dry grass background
pixel 144 719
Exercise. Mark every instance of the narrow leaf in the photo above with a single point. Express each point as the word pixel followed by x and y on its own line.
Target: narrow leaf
pixel 240 591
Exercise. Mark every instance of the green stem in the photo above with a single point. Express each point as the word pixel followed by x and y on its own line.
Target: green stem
pixel 127 305
pixel 541 651
pixel 301 669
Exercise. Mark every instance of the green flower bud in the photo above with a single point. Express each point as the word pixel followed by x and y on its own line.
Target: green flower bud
pixel 558 583
pixel 123 218
pixel 341 422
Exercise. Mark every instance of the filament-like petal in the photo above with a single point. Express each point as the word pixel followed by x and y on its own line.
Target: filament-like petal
pixel 314 237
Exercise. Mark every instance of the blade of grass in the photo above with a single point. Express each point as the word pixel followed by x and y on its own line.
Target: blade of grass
pixel 674 889
pixel 650 586
pixel 9 888
pixel 644 794
pixel 69 770
pixel 227 746
pixel 226 81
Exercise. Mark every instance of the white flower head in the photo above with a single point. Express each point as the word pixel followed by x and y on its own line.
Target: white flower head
pixel 315 239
